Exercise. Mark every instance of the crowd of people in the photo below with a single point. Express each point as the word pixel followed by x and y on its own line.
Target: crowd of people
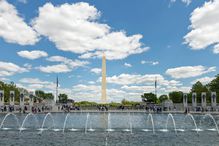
pixel 67 108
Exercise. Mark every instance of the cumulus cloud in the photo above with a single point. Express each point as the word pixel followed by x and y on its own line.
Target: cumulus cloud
pixel 216 49
pixel 13 28
pixel 187 2
pixel 134 79
pixel 150 62
pixel 75 28
pixel 83 92
pixel 139 88
pixel 65 65
pixel 35 84
pixel 58 68
pixel 127 65
pixel 22 1
pixel 204 27
pixel 9 69
pixel 96 70
pixel 189 71
pixel 69 62
pixel 203 80
pixel 35 54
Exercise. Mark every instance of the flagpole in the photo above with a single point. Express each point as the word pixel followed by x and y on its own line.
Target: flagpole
pixel 155 86
pixel 57 85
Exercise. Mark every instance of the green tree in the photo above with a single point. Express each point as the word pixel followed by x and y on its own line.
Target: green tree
pixel 41 94
pixel 48 96
pixel 162 98
pixel 176 96
pixel 149 97
pixel 63 98
pixel 213 86
pixel 10 87
pixel 198 87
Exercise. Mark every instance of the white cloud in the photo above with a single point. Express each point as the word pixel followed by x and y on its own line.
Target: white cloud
pixel 8 69
pixel 75 28
pixel 35 84
pixel 150 62
pixel 69 62
pixel 66 65
pixel 187 2
pixel 23 1
pixel 58 68
pixel 189 71
pixel 35 54
pixel 83 92
pixel 139 88
pixel 96 70
pixel 127 64
pixel 28 66
pixel 32 81
pixel 13 29
pixel 216 49
pixel 147 79
pixel 203 80
pixel 91 82
pixel 4 79
pixel 204 26
pixel 184 89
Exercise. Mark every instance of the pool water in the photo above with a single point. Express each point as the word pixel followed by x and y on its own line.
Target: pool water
pixel 111 129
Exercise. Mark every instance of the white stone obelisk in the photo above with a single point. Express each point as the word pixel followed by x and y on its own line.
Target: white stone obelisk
pixel 103 96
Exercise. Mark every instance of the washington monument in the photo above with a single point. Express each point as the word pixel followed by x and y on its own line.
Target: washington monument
pixel 103 97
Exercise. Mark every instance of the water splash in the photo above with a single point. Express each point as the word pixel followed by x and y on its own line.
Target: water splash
pixel 109 126
pixel 66 117
pixel 6 116
pixel 26 117
pixel 152 121
pixel 106 143
pixel 210 116
pixel 88 115
pixel 194 122
pixel 174 124
pixel 44 120
pixel 130 123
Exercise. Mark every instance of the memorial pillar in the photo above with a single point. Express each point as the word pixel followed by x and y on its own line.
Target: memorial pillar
pixel 2 100
pixel 203 99
pixel 11 98
pixel 185 100
pixel 213 99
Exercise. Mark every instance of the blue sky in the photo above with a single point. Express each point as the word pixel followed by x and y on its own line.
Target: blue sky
pixel 173 40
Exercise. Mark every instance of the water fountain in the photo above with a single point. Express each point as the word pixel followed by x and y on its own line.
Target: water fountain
pixel 25 119
pixel 6 116
pixel 44 120
pixel 152 122
pixel 174 124
pixel 88 123
pixel 215 123
pixel 194 122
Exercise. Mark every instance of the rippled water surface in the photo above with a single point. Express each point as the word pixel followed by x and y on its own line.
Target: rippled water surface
pixel 112 129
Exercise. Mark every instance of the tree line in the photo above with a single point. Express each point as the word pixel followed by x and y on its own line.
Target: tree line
pixel 177 96
pixel 39 94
